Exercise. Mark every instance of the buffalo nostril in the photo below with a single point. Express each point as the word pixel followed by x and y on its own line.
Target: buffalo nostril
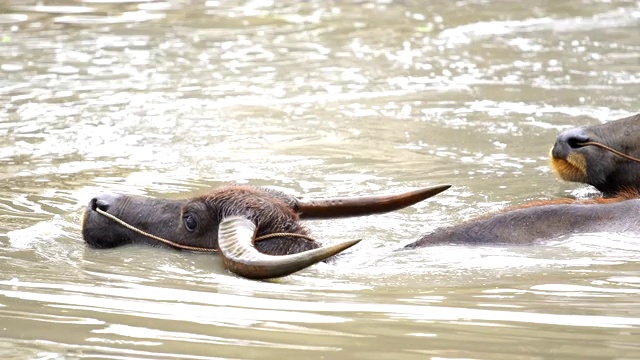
pixel 577 141
pixel 574 138
pixel 568 141
pixel 102 202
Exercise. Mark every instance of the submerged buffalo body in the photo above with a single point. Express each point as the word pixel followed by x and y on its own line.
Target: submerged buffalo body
pixel 578 155
pixel 542 220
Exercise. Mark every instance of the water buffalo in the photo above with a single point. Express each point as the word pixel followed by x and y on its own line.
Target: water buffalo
pixel 601 155
pixel 605 156
pixel 256 230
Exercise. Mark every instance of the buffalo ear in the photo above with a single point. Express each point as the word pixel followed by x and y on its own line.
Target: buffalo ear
pixel 236 236
pixel 364 205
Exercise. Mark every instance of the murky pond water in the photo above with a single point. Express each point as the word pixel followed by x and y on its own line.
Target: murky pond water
pixel 172 98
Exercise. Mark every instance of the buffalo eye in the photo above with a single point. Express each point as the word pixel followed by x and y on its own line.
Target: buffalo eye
pixel 190 222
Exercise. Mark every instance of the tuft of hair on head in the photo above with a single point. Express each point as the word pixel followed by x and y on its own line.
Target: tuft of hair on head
pixel 573 169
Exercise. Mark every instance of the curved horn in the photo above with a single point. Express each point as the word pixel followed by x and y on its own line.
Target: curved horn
pixel 364 205
pixel 235 241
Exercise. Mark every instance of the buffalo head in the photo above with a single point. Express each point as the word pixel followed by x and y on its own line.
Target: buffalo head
pixel 575 156
pixel 230 220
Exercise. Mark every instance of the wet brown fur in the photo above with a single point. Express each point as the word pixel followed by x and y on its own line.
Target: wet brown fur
pixel 271 211
pixel 625 194
pixel 573 168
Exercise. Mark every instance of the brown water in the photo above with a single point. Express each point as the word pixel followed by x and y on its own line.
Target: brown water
pixel 321 99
